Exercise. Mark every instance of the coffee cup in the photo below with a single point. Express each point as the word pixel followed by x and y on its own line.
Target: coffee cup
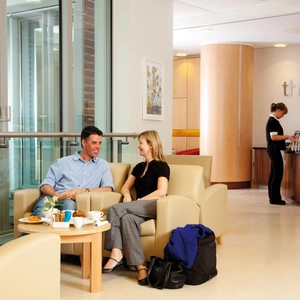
pixel 95 215
pixel 78 222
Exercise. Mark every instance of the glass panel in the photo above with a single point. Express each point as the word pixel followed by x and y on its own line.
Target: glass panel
pixel 34 94
pixel 34 42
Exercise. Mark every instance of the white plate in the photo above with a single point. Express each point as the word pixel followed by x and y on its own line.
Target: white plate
pixel 24 220
pixel 85 222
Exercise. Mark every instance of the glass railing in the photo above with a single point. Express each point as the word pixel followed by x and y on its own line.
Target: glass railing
pixel 25 158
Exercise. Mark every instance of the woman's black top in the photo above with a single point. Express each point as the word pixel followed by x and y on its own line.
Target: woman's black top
pixel 148 183
pixel 273 125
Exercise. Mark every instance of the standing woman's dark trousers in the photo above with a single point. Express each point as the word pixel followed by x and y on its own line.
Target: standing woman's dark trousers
pixel 276 175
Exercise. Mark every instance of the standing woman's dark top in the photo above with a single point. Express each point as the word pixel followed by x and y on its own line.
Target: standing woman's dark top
pixel 275 146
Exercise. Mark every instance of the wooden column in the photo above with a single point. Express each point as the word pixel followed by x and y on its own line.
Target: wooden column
pixel 226 111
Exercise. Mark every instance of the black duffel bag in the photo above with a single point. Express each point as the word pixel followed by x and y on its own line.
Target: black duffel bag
pixel 164 274
pixel 204 266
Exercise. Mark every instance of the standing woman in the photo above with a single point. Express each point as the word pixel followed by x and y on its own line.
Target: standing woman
pixel 150 179
pixel 275 146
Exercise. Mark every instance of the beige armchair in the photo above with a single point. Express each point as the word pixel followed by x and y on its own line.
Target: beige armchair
pixel 204 161
pixel 188 202
pixel 30 267
pixel 24 201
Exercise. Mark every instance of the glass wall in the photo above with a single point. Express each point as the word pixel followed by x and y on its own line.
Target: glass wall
pixel 58 61
pixel 34 88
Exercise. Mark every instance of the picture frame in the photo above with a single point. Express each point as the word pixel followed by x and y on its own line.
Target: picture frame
pixel 153 81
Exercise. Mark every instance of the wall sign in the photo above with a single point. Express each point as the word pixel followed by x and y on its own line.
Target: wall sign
pixel 289 89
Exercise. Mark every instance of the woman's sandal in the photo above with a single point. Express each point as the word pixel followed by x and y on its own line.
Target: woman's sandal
pixel 120 263
pixel 143 281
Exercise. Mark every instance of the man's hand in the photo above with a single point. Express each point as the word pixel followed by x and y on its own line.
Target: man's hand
pixel 70 194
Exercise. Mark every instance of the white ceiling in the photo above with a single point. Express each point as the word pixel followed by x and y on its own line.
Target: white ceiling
pixel 260 23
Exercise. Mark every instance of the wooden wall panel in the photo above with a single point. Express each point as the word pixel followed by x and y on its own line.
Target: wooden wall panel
pixel 193 109
pixel 262 167
pixel 186 87
pixel 180 78
pixel 179 122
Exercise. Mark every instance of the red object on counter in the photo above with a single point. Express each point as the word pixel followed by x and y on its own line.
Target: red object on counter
pixel 195 151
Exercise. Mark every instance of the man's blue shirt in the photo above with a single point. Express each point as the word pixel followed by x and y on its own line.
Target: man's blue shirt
pixel 71 172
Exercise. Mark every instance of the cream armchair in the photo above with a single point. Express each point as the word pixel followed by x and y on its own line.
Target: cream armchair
pixel 30 267
pixel 188 202
pixel 204 161
pixel 24 201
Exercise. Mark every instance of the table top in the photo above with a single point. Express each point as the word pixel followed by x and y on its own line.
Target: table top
pixel 71 231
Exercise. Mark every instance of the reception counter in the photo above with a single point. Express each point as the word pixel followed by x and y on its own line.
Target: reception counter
pixel 291 176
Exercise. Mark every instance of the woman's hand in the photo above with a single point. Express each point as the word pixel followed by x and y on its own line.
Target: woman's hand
pixel 293 138
pixel 126 188
pixel 127 198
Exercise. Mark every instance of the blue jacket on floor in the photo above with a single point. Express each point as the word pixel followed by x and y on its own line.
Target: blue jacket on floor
pixel 183 244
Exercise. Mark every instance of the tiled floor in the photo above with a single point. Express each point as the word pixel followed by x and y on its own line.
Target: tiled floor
pixel 259 259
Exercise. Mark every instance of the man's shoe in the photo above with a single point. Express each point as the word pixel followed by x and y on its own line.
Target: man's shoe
pixel 280 202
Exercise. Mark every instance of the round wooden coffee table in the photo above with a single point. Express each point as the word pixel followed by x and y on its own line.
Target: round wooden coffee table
pixel 91 239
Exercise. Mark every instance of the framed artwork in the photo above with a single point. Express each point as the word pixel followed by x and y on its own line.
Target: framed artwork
pixel 153 73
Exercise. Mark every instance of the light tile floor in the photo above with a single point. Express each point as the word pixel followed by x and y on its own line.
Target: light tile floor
pixel 259 259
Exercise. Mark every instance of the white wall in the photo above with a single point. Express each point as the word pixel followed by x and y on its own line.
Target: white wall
pixel 272 67
pixel 141 29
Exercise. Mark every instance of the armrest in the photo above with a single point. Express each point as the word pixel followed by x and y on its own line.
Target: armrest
pixel 23 202
pixel 17 261
pixel 97 201
pixel 213 211
pixel 172 212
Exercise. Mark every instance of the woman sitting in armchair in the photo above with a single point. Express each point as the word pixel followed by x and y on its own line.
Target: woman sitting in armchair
pixel 150 179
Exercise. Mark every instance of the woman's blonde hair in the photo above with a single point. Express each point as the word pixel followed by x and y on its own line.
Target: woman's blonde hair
pixel 153 139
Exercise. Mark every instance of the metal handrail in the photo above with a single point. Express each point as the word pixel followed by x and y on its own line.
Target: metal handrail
pixel 8 135
pixel 60 134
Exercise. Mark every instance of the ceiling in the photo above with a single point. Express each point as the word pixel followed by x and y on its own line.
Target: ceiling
pixel 260 23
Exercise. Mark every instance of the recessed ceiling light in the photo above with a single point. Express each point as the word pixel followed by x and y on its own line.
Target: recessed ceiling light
pixel 205 29
pixel 181 54
pixel 280 45
pixel 293 30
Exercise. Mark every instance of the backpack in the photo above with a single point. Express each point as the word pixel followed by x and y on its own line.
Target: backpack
pixel 204 266
pixel 194 246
